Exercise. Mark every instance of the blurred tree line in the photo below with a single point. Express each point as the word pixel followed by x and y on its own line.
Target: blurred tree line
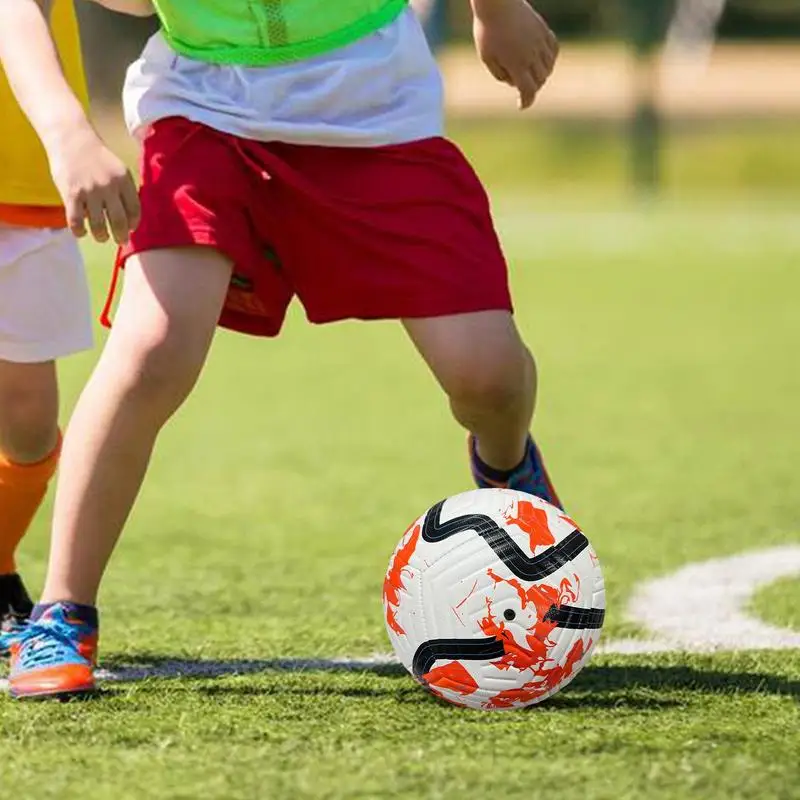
pixel 112 41
pixel 743 19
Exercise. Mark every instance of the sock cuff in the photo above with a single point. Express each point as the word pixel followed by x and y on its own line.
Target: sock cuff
pixel 492 473
pixel 86 614
pixel 22 476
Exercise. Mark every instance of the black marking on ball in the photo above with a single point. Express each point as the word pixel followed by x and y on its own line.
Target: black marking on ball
pixel 435 650
pixel 576 618
pixel 506 549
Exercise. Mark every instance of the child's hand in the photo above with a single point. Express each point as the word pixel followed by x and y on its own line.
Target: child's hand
pixel 515 44
pixel 95 186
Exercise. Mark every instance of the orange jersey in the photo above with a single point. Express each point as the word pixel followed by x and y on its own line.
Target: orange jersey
pixel 27 193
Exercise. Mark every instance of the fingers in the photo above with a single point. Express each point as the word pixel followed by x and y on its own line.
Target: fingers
pixel 499 72
pixel 538 72
pixel 117 218
pixel 115 207
pixel 527 86
pixel 541 62
pixel 76 214
pixel 122 209
pixel 95 215
pixel 130 200
pixel 531 72
pixel 550 45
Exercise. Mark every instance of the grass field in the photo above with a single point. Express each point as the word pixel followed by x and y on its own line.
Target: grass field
pixel 667 337
pixel 698 157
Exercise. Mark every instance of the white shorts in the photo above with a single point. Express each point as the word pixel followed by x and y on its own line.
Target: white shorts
pixel 45 308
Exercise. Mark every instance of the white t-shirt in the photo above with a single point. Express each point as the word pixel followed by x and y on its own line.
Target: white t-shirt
pixel 384 89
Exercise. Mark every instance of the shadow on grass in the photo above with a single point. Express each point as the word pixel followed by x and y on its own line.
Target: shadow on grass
pixel 145 666
pixel 633 686
pixel 607 678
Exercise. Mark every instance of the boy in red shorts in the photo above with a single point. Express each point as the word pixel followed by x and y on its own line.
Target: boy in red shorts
pixel 290 147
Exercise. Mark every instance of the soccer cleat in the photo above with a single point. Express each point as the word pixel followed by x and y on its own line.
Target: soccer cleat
pixel 53 656
pixel 15 603
pixel 530 477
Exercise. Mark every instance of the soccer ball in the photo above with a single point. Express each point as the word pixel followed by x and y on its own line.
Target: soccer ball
pixel 494 599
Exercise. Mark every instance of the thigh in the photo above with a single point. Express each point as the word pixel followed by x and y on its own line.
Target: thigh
pixel 44 298
pixel 171 302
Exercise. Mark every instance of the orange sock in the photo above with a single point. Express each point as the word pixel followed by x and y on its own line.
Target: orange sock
pixel 22 489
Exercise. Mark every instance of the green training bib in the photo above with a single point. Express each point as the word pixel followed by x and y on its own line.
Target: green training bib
pixel 266 32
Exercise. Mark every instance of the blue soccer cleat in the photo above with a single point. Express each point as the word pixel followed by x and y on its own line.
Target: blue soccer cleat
pixel 530 477
pixel 53 656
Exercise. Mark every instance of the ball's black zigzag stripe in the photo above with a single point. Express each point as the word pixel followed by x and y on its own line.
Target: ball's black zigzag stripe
pixel 435 650
pixel 506 549
pixel 576 618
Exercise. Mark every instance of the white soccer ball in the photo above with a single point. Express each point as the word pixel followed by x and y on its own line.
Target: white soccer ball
pixel 494 599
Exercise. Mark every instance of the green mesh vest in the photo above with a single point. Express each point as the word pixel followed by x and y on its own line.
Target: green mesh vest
pixel 265 32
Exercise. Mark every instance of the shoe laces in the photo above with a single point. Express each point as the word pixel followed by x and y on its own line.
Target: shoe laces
pixel 39 643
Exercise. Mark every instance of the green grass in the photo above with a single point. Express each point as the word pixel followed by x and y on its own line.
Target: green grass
pixel 780 603
pixel 662 728
pixel 706 158
pixel 666 336
pixel 698 157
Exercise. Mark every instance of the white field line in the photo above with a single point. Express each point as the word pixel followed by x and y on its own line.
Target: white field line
pixel 701 608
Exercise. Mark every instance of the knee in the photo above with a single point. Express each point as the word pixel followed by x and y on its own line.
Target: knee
pixel 161 370
pixel 28 420
pixel 496 381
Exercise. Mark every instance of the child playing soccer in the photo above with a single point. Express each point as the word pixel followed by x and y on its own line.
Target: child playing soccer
pixel 290 147
pixel 44 308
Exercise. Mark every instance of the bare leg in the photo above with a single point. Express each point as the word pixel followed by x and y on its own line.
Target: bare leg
pixel 155 353
pixel 488 375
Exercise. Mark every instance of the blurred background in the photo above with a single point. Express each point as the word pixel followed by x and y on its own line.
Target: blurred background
pixel 668 95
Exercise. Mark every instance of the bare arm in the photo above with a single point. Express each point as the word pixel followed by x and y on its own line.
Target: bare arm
pixel 94 184
pixel 135 8
pixel 31 64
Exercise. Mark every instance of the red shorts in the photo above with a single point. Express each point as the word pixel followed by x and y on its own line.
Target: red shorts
pixel 367 233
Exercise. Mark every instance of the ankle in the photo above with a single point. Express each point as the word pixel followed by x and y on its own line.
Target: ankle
pixel 499 465
pixel 85 613
pixel 66 592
